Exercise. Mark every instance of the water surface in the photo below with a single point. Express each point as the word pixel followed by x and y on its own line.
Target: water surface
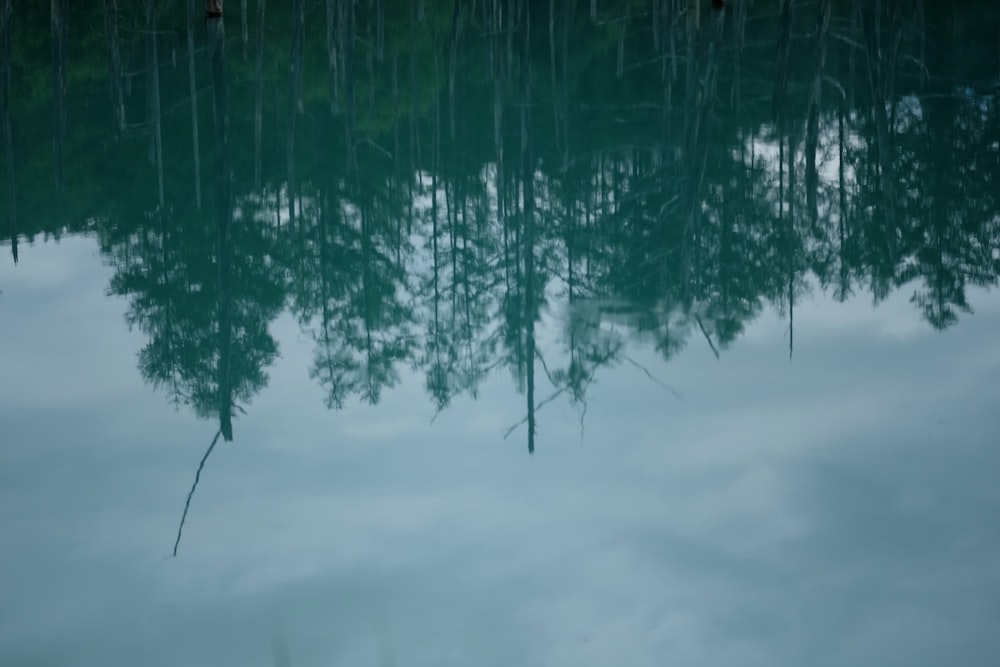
pixel 526 334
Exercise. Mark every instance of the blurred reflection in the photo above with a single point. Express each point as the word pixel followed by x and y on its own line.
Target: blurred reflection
pixel 452 176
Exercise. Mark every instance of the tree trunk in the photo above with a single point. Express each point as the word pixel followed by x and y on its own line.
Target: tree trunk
pixel 790 232
pixel 294 99
pixel 783 58
pixel 58 88
pixel 193 89
pixel 223 193
pixel 453 65
pixel 843 220
pixel 298 48
pixel 114 63
pixel 349 52
pixel 380 29
pixel 258 120
pixel 620 69
pixel 153 95
pixel 877 87
pixel 812 122
pixel 245 19
pixel 528 178
pixel 8 133
pixel 332 55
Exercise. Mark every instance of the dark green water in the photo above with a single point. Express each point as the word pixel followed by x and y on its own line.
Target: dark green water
pixel 725 275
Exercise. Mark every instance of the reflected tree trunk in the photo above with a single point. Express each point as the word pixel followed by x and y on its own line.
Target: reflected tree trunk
pixel 224 307
pixel 327 220
pixel 843 220
pixel 700 96
pixel 58 19
pixel 380 29
pixel 258 116
pixel 783 58
pixel 620 69
pixel 114 63
pixel 567 17
pixel 674 28
pixel 790 231
pixel 153 94
pixel 295 105
pixel 892 66
pixel 511 4
pixel 921 20
pixel 368 39
pixel 498 123
pixel 852 52
pixel 298 49
pixel 528 184
pixel 739 35
pixel 349 88
pixel 396 154
pixel 368 317
pixel 245 20
pixel 812 121
pixel 415 157
pixel 878 89
pixel 656 24
pixel 223 194
pixel 331 53
pixel 193 90
pixel 5 118
pixel 453 65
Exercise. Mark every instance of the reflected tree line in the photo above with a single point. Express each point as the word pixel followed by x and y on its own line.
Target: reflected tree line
pixel 417 183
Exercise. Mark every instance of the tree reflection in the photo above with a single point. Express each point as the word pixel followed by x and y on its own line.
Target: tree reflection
pixel 432 182
pixel 204 293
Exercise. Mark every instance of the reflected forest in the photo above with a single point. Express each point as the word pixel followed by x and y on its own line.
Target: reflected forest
pixel 420 184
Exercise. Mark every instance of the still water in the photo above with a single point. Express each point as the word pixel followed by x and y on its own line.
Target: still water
pixel 500 333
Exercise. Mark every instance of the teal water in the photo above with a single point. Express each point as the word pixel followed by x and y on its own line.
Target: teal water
pixel 525 335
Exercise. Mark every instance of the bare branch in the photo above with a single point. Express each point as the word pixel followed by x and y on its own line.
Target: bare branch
pixel 707 337
pixel 653 377
pixel 187 503
pixel 538 407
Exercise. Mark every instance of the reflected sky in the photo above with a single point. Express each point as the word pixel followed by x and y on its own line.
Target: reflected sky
pixel 763 516
pixel 746 330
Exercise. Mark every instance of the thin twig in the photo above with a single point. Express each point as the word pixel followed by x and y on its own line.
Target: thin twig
pixel 653 377
pixel 538 355
pixel 187 503
pixel 473 385
pixel 537 408
pixel 707 337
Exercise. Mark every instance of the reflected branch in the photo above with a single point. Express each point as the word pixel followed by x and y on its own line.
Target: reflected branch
pixel 653 377
pixel 187 503
pixel 537 407
pixel 707 337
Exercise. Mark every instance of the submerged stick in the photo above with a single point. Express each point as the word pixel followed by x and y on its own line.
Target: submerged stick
pixel 187 503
